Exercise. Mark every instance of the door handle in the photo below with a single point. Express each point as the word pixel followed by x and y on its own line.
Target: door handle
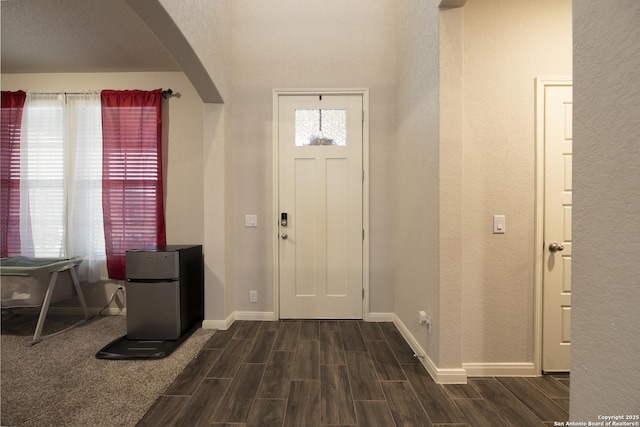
pixel 284 236
pixel 555 247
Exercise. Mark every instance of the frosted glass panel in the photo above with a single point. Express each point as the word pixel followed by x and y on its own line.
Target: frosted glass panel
pixel 321 127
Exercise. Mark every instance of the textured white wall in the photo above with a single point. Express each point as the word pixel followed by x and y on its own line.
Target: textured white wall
pixel 451 186
pixel 206 26
pixel 606 215
pixel 415 172
pixel 310 44
pixel 506 45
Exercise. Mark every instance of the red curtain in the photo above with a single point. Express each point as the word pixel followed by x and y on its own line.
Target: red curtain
pixel 132 196
pixel 10 128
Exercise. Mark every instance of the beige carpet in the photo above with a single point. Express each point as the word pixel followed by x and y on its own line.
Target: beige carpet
pixel 59 382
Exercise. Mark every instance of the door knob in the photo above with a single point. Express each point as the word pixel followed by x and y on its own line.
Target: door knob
pixel 284 236
pixel 555 247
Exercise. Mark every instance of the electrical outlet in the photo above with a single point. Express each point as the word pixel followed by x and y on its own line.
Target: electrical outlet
pixel 425 319
pixel 253 296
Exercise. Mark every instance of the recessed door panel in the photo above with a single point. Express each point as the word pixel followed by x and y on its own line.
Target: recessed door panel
pixel 556 328
pixel 320 190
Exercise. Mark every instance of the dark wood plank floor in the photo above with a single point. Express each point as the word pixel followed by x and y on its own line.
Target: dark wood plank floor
pixel 340 373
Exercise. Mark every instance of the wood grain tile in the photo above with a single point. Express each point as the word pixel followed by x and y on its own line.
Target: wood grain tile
pixel 329 326
pixel 237 401
pixel 277 376
pixel 404 405
pixel 203 403
pixel 563 403
pixel 362 376
pixel 373 413
pixel 309 330
pixel 261 346
pixel 227 364
pixel 371 331
pixel 512 410
pixel 220 339
pixel 303 405
pixel 352 339
pixel 270 326
pixel 387 326
pixel 550 386
pixel 461 391
pixel 435 400
pixel 307 362
pixel 385 362
pixel 247 330
pixel 163 412
pixel 340 373
pixel 287 336
pixel 479 412
pixel 543 407
pixel 267 413
pixel 331 350
pixel 189 379
pixel 401 349
pixel 335 391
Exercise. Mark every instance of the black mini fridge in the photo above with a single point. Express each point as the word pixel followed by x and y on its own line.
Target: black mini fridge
pixel 165 301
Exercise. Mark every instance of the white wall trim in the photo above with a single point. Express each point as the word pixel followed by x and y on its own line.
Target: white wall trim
pixel 541 83
pixel 501 369
pixel 265 316
pixel 380 317
pixel 222 325
pixel 364 92
pixel 439 375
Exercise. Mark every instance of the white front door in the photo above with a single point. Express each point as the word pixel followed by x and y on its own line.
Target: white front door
pixel 320 175
pixel 556 317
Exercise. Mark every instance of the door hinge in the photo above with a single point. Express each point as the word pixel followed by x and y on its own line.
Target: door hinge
pixel 363 293
pixel 363 175
pixel 363 234
pixel 362 116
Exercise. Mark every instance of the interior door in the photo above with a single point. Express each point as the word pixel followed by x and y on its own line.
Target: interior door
pixel 320 183
pixel 556 329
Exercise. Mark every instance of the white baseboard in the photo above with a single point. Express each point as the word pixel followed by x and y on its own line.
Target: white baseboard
pixel 380 317
pixel 439 375
pixel 269 316
pixel 222 325
pixel 265 316
pixel 513 369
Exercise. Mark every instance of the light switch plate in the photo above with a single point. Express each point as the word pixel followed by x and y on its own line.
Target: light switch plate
pixel 251 220
pixel 499 224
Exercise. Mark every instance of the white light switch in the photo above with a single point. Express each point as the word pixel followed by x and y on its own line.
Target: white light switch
pixel 251 220
pixel 499 224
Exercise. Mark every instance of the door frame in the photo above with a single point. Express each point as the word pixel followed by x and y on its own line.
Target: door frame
pixel 277 93
pixel 541 83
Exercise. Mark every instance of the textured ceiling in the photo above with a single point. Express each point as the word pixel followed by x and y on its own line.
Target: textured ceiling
pixel 67 36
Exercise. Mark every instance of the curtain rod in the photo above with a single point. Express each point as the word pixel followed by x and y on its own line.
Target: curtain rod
pixel 167 93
